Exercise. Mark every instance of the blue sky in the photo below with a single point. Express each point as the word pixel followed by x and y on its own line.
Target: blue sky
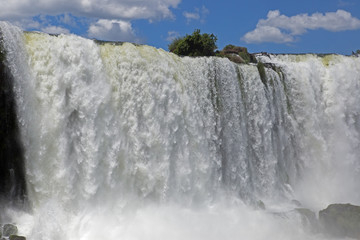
pixel 277 26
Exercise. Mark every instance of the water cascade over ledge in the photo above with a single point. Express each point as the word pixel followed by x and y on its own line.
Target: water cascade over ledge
pixel 131 142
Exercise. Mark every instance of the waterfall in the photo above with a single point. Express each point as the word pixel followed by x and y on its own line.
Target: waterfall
pixel 128 141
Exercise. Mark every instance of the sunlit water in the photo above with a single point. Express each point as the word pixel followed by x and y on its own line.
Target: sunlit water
pixel 132 142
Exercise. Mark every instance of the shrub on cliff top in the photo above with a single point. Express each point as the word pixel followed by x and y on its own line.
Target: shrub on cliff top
pixel 195 44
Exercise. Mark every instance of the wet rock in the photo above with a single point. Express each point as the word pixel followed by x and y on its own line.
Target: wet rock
pixel 16 237
pixel 237 54
pixel 260 205
pixel 9 229
pixel 296 203
pixel 341 220
pixel 308 219
pixel 235 58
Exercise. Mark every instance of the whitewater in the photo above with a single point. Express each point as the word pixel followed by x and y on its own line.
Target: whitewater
pixel 125 141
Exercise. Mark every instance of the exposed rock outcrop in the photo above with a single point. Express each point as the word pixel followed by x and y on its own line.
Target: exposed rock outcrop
pixel 341 220
pixel 9 232
pixel 308 219
pixel 237 54
pixel 16 237
pixel 12 172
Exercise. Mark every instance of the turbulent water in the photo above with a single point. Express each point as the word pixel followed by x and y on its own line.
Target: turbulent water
pixel 132 142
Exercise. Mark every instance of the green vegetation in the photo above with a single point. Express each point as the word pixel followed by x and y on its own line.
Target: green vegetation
pixel 261 69
pixel 198 44
pixel 173 45
pixel 357 53
pixel 194 45
pixel 16 237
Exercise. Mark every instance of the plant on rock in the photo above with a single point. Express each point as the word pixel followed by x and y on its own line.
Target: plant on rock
pixel 195 44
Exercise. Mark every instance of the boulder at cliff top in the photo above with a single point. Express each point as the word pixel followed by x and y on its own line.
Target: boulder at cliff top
pixel 237 54
pixel 341 220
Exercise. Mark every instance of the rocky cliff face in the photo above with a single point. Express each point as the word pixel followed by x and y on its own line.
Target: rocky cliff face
pixel 12 177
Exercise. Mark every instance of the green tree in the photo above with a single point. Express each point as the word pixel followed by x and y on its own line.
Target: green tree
pixel 172 46
pixel 195 44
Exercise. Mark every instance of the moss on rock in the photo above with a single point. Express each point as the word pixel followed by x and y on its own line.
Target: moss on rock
pixel 237 54
pixel 16 237
pixel 9 229
pixel 261 69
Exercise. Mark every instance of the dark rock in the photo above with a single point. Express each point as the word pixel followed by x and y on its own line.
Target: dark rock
pixel 102 42
pixel 296 203
pixel 341 220
pixel 264 54
pixel 236 54
pixel 235 58
pixel 303 216
pixel 16 237
pixel 234 49
pixel 9 229
pixel 260 205
pixel 262 73
pixel 308 219
pixel 12 171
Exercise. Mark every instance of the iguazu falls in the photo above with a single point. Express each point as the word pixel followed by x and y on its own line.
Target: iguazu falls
pixel 122 141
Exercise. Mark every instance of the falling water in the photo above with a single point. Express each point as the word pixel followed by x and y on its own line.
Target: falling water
pixel 132 142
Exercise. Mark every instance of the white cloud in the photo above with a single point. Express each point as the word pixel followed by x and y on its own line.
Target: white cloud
pixel 67 19
pixel 27 23
pixel 35 14
pixel 55 30
pixel 172 35
pixel 191 15
pixel 269 34
pixel 281 29
pixel 197 14
pixel 103 9
pixel 112 30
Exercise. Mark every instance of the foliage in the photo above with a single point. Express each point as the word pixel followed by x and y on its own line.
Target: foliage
pixel 261 69
pixel 195 44
pixel 172 46
pixel 357 53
